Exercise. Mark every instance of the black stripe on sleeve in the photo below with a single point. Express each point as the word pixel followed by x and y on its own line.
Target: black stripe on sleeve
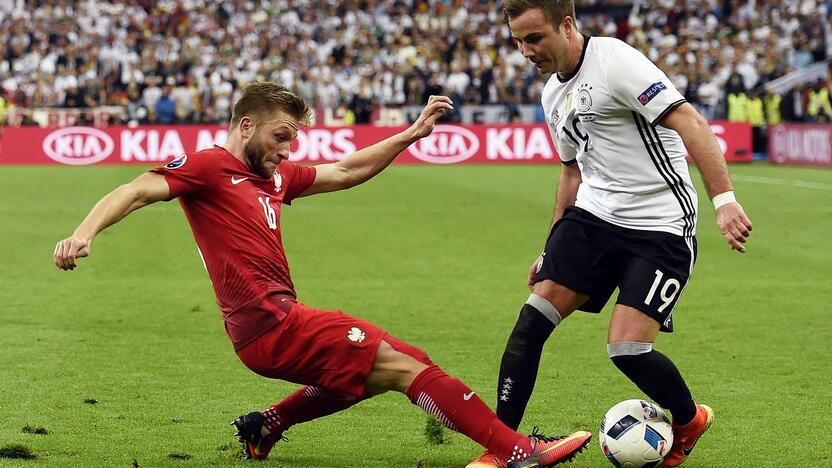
pixel 666 111
pixel 676 176
pixel 641 124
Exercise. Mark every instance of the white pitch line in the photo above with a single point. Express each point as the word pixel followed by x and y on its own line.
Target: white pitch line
pixel 774 181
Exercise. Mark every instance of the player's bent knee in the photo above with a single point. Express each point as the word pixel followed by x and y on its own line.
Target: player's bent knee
pixel 543 307
pixel 394 369
pixel 408 349
pixel 536 322
pixel 628 348
pixel 562 298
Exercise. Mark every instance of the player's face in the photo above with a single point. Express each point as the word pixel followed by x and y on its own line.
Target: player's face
pixel 540 42
pixel 270 144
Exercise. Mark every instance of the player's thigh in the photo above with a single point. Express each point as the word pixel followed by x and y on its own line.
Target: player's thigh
pixel 563 298
pixel 578 270
pixel 394 369
pixel 657 272
pixel 630 324
pixel 325 348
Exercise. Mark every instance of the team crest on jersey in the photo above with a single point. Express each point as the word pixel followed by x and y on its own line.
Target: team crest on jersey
pixel 177 163
pixel 278 181
pixel 584 98
pixel 356 335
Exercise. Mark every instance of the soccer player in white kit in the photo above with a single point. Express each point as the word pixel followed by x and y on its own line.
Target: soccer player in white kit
pixel 625 211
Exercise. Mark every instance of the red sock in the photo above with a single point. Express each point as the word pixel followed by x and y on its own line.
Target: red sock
pixel 460 409
pixel 306 404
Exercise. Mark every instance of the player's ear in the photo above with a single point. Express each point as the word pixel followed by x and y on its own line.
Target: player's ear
pixel 246 127
pixel 568 26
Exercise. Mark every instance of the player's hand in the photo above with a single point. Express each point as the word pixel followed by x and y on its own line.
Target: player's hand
pixel 70 249
pixel 533 271
pixel 734 224
pixel 435 108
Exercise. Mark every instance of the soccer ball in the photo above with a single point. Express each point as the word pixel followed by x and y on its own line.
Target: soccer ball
pixel 635 433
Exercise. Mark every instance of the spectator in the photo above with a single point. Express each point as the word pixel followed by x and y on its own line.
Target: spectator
pixel 773 108
pixel 362 107
pixel 457 82
pixel 152 92
pixel 4 106
pixel 184 101
pixel 94 92
pixel 407 52
pixel 757 119
pixel 136 109
pixel 818 108
pixel 793 107
pixel 432 87
pixel 802 56
pixel 166 107
pixel 72 98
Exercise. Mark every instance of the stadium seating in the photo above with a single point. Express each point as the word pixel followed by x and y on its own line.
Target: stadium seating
pixel 185 61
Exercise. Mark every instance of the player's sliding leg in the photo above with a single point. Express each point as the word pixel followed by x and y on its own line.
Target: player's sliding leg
pixel 460 409
pixel 304 405
pixel 260 431
pixel 630 348
pixel 358 358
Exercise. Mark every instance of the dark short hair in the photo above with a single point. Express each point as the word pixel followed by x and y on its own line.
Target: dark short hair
pixel 262 98
pixel 553 10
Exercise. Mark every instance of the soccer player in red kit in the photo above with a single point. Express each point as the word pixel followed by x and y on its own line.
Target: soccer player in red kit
pixel 232 196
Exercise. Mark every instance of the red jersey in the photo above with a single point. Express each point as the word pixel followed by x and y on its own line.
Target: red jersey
pixel 235 218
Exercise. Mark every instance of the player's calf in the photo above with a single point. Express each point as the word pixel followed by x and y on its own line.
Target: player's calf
pixel 521 358
pixel 656 375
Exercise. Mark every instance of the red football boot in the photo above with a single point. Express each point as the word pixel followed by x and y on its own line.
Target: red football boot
pixel 551 451
pixel 487 460
pixel 685 437
pixel 255 445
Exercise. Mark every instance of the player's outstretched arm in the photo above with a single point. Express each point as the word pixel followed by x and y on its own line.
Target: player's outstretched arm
pixel 706 153
pixel 362 165
pixel 146 189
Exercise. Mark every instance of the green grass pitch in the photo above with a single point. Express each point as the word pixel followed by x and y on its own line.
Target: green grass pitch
pixel 438 256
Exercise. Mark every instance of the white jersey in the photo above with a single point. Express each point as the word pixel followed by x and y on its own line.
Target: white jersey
pixel 633 172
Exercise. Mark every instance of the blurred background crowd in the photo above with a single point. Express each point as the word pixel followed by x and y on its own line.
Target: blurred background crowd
pixel 185 61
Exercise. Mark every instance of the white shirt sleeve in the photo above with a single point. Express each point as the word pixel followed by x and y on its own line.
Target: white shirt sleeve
pixel 637 83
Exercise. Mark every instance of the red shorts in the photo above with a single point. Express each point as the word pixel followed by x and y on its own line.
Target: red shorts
pixel 323 348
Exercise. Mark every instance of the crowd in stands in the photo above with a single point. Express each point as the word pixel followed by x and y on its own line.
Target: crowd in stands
pixel 185 61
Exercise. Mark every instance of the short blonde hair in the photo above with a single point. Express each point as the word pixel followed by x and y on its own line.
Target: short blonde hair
pixel 262 98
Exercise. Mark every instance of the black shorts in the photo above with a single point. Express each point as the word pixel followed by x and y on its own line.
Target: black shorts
pixel 593 257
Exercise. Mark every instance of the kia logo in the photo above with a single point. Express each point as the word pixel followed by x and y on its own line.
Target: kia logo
pixel 448 144
pixel 78 145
